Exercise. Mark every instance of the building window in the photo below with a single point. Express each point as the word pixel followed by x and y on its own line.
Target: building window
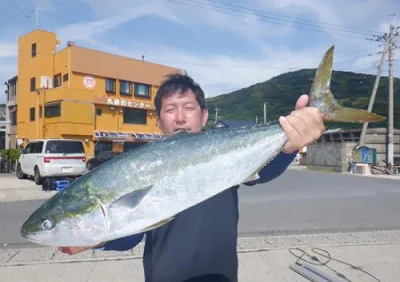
pixel 12 89
pixel 33 50
pixel 32 114
pixel 33 84
pixel 125 87
pixel 65 77
pixel 57 80
pixel 142 90
pixel 135 116
pixel 110 85
pixel 52 110
pixel 40 111
pixel 98 112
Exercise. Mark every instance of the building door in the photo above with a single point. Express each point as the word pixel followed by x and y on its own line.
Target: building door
pixel 102 146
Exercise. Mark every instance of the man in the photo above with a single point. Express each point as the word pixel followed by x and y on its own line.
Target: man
pixel 199 244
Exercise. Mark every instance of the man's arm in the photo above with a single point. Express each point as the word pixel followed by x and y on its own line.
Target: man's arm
pixel 302 126
pixel 122 244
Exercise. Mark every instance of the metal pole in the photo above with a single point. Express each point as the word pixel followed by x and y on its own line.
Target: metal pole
pixel 372 99
pixel 390 110
pixel 265 113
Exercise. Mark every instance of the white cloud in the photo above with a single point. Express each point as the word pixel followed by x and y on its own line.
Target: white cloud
pixel 219 73
pixel 8 50
pixel 88 30
pixel 7 70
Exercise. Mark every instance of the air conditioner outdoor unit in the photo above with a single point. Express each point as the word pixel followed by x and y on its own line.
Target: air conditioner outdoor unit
pixel 50 82
pixel 44 81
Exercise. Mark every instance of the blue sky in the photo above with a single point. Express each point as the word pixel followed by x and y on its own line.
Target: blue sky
pixel 223 44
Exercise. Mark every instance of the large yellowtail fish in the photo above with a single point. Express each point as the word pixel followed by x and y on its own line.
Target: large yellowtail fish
pixel 146 187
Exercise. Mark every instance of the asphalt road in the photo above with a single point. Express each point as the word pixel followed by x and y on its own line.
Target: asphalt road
pixel 296 202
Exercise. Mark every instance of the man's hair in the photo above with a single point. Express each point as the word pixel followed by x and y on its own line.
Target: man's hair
pixel 179 84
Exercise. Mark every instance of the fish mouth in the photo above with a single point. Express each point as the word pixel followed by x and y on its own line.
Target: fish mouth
pixel 29 236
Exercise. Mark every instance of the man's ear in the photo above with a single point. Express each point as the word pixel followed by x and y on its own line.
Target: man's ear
pixel 158 122
pixel 205 117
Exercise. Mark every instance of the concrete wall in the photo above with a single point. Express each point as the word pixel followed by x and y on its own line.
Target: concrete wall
pixel 330 156
pixel 376 138
pixel 329 151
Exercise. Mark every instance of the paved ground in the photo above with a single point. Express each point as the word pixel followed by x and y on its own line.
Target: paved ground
pixel 264 258
pixel 14 189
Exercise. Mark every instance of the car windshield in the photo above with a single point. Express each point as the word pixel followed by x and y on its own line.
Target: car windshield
pixel 64 147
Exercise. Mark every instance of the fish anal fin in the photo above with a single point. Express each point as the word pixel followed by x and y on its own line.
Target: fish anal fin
pixel 252 177
pixel 131 199
pixel 158 224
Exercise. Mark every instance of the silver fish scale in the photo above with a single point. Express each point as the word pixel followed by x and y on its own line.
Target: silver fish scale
pixel 139 168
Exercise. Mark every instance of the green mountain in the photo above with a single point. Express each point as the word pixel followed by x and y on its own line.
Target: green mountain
pixel 280 94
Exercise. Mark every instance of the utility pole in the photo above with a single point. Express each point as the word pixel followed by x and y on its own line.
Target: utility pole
pixel 265 113
pixel 390 110
pixel 378 76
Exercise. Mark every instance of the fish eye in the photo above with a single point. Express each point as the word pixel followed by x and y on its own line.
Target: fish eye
pixel 47 224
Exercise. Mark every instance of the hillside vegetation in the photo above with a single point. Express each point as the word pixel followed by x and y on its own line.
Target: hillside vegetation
pixel 280 94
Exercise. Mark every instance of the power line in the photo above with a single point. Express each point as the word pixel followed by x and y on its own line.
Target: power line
pixel 265 18
pixel 297 19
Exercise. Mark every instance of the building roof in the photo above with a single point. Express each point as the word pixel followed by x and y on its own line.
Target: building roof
pixel 89 61
pixel 12 79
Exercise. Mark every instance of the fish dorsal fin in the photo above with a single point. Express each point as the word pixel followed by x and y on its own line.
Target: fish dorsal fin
pixel 131 199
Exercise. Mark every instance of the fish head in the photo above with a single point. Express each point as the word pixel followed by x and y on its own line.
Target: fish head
pixel 66 219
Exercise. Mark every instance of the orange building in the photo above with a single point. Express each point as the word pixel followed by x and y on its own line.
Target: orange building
pixel 103 99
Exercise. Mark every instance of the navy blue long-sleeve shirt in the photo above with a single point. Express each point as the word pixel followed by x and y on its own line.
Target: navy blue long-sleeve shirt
pixel 200 243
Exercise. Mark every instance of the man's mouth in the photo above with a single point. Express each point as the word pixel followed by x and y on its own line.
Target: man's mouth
pixel 181 129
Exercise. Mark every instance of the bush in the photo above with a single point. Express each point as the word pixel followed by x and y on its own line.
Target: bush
pixel 9 155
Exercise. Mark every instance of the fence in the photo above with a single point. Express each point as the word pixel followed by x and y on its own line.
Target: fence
pixel 7 166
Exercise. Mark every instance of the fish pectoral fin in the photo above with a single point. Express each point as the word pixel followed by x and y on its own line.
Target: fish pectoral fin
pixel 158 224
pixel 131 199
pixel 252 177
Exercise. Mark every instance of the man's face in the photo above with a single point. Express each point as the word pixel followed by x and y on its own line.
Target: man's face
pixel 181 112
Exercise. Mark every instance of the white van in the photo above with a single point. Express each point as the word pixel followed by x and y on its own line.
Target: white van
pixel 51 157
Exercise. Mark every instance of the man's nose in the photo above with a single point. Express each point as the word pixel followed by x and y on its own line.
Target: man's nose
pixel 180 117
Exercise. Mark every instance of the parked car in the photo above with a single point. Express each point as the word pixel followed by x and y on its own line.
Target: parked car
pixel 101 158
pixel 51 158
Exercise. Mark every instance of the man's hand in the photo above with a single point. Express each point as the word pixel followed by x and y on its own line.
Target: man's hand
pixel 76 250
pixel 303 126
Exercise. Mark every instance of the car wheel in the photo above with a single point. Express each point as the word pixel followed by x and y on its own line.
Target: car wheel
pixel 89 166
pixel 19 173
pixel 37 177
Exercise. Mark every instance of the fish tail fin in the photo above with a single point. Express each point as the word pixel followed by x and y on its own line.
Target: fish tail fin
pixel 322 97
